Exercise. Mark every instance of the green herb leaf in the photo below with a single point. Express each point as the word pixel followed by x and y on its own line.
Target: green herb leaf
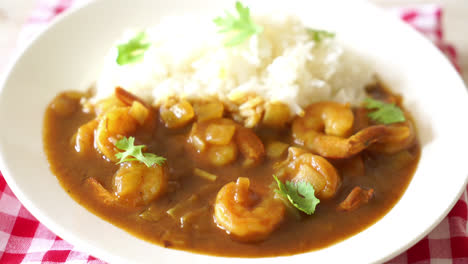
pixel 134 153
pixel 319 35
pixel 301 195
pixel 134 50
pixel 240 28
pixel 385 113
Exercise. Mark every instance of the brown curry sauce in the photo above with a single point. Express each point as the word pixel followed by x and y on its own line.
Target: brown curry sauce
pixel 387 175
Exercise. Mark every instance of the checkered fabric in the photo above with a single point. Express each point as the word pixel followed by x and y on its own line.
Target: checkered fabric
pixel 23 239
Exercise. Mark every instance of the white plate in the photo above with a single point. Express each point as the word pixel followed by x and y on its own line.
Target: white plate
pixel 69 54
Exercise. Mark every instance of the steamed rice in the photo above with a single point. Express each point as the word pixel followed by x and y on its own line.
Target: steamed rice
pixel 188 60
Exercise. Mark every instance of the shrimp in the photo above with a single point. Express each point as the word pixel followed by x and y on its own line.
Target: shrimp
pixel 100 193
pixel 120 98
pixel 325 127
pixel 218 141
pixel 127 98
pixel 84 137
pixel 121 121
pixel 247 215
pixel 398 137
pixel 302 166
pixel 250 146
pixel 113 125
pixel 135 184
pixel 104 105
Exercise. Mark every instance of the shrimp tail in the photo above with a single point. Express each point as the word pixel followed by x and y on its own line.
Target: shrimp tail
pixel 126 97
pixel 365 138
pixel 338 147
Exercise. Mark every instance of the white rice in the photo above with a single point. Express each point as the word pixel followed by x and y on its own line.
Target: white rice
pixel 187 59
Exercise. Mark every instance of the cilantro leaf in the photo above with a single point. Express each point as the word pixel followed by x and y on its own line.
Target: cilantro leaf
pixel 134 153
pixel 240 28
pixel 134 50
pixel 319 35
pixel 300 194
pixel 385 113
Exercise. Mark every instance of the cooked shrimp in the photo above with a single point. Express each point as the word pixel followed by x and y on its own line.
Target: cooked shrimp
pixel 333 118
pixel 218 141
pixel 99 192
pixel 113 125
pixel 325 127
pixel 356 198
pixel 303 166
pixel 84 137
pixel 135 184
pixel 250 146
pixel 399 136
pixel 247 215
pixel 104 105
pixel 128 98
pixel 121 121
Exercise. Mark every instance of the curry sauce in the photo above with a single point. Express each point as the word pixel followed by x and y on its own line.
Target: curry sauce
pixel 182 214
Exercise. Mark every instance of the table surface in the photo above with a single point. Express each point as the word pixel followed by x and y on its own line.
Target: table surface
pixel 14 12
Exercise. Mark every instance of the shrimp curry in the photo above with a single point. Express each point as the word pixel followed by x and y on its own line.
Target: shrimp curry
pixel 188 175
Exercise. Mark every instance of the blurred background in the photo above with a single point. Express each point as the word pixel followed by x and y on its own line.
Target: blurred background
pixel 13 14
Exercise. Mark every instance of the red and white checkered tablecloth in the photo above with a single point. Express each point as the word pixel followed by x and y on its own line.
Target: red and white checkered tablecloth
pixel 23 239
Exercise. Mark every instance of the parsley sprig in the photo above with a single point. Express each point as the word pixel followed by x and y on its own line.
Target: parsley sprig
pixel 240 27
pixel 134 50
pixel 132 153
pixel 385 113
pixel 319 35
pixel 300 194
